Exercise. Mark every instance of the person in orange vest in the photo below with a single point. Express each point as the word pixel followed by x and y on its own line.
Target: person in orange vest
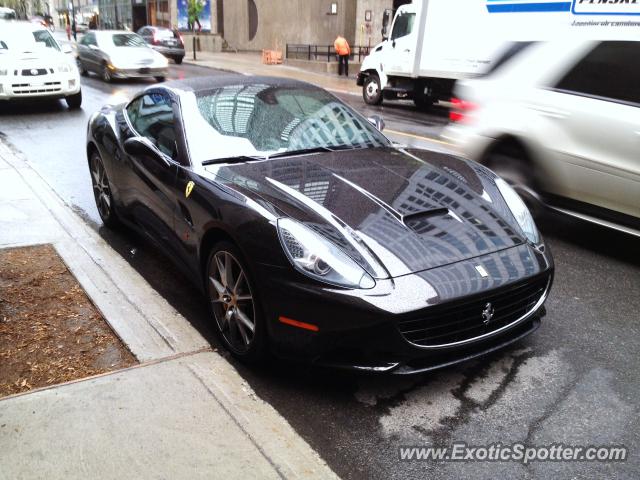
pixel 343 51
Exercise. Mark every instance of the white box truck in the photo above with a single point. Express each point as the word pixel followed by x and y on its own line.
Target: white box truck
pixel 432 43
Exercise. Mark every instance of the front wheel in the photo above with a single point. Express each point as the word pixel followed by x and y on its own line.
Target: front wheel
pixel 106 74
pixel 81 67
pixel 159 79
pixel 233 304
pixel 371 91
pixel 102 192
pixel 74 101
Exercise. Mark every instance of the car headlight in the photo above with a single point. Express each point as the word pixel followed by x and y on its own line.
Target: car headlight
pixel 3 72
pixel 519 210
pixel 317 257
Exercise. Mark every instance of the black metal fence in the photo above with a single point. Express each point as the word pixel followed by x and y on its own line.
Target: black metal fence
pixel 323 52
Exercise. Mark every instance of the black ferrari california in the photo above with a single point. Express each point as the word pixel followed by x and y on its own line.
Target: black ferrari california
pixel 311 234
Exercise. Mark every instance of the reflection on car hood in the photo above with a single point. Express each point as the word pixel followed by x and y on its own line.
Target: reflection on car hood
pixel 414 209
pixel 29 58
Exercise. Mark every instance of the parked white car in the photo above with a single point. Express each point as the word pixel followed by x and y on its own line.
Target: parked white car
pixel 561 121
pixel 32 64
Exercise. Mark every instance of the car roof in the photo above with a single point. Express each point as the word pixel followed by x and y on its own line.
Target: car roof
pixel 111 32
pixel 157 28
pixel 203 84
pixel 22 25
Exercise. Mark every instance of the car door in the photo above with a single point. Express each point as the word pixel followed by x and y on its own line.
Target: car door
pixel 149 189
pixel 401 46
pixel 88 52
pixel 597 106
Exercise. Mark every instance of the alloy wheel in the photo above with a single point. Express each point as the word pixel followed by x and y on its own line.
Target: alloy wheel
pixel 101 189
pixel 106 74
pixel 232 301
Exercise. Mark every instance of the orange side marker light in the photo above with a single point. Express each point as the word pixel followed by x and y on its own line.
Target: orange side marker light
pixel 296 323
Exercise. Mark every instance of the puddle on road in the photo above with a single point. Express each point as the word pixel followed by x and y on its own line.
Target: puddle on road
pixel 438 406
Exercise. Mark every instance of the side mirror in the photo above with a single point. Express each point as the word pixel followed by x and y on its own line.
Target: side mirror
pixel 93 47
pixel 386 20
pixel 376 121
pixel 142 146
pixel 66 48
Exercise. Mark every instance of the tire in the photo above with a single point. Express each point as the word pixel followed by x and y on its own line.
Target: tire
pixel 517 171
pixel 371 91
pixel 178 60
pixel 422 101
pixel 106 74
pixel 102 192
pixel 159 79
pixel 74 101
pixel 233 303
pixel 83 71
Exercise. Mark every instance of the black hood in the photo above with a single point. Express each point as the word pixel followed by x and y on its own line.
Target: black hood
pixel 414 209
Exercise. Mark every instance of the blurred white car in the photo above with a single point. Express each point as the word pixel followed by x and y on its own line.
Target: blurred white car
pixel 119 54
pixel 561 121
pixel 32 64
pixel 7 13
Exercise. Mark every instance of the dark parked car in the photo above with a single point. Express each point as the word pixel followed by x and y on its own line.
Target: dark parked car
pixel 164 40
pixel 311 234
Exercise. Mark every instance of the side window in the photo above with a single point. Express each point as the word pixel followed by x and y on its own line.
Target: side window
pixel 88 39
pixel 403 25
pixel 152 116
pixel 610 70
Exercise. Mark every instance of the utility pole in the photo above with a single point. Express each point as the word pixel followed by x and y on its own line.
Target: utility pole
pixel 73 20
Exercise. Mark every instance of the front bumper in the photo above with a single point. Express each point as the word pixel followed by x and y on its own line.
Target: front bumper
pixel 139 72
pixel 360 330
pixel 466 140
pixel 169 51
pixel 45 86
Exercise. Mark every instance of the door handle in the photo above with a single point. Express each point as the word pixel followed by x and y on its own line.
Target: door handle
pixel 406 50
pixel 550 111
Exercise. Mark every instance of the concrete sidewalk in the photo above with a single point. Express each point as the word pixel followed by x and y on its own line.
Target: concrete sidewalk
pixel 251 64
pixel 183 413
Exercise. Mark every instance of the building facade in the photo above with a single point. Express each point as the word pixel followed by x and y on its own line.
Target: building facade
pixel 246 24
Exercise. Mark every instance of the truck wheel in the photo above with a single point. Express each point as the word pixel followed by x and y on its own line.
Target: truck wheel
pixel 421 100
pixel 371 91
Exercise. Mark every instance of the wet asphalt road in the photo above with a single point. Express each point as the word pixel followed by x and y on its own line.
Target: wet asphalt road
pixel 574 381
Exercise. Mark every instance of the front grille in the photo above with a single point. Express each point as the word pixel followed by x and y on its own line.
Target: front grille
pixel 462 320
pixel 28 89
pixel 27 72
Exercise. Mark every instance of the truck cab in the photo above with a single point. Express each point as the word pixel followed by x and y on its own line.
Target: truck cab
pixel 390 70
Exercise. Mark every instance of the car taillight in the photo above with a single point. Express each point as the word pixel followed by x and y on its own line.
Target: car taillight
pixel 181 39
pixel 154 40
pixel 460 110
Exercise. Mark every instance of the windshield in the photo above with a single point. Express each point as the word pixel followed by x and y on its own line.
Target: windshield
pixel 164 34
pixel 262 120
pixel 511 51
pixel 128 40
pixel 26 40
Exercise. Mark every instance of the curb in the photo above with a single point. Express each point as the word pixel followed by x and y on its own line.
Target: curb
pixel 158 334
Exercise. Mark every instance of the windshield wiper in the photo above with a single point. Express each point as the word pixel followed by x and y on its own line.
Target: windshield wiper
pixel 304 151
pixel 238 159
